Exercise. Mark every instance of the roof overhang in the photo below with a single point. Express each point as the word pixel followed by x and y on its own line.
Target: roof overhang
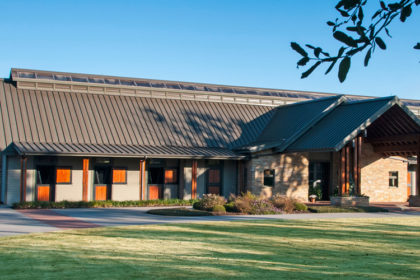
pixel 119 151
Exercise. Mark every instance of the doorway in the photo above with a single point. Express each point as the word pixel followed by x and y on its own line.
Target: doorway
pixel 156 181
pixel 45 183
pixel 319 180
pixel 102 182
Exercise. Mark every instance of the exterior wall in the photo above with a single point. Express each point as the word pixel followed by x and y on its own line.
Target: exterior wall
pixel 13 180
pixel 375 176
pixel 73 191
pixel 187 179
pixel 130 190
pixel 229 178
pixel 291 175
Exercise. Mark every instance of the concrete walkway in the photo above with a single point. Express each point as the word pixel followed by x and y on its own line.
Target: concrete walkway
pixel 14 222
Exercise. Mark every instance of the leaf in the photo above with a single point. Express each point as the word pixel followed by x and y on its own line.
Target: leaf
pixel 394 6
pixel 387 32
pixel 330 23
pixel 360 15
pixel 343 13
pixel 417 46
pixel 303 61
pixel 342 37
pixel 331 66
pixel 310 46
pixel 341 51
pixel 298 49
pixel 367 57
pixel 343 69
pixel 380 43
pixel 352 28
pixel 317 51
pixel 405 13
pixel 383 6
pixel 377 13
pixel 310 70
pixel 325 53
pixel 354 51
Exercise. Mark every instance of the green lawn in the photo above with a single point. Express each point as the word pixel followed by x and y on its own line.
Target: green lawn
pixel 387 248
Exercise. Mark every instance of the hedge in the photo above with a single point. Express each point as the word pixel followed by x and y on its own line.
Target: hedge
pixel 102 204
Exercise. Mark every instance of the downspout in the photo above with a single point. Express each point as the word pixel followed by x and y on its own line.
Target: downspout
pixel 3 178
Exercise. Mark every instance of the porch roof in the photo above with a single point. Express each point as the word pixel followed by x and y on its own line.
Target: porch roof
pixel 115 150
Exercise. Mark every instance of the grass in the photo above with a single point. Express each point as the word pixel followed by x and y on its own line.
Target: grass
pixel 386 248
pixel 340 209
pixel 182 211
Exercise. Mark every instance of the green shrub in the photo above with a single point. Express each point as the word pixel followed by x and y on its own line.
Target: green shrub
pixel 197 205
pixel 230 207
pixel 218 209
pixel 208 201
pixel 300 206
pixel 101 204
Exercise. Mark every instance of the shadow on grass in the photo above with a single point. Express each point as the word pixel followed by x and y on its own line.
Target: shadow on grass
pixel 360 249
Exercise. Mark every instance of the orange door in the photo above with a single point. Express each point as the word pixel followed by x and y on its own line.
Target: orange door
pixel 43 193
pixel 154 192
pixel 100 192
pixel 408 183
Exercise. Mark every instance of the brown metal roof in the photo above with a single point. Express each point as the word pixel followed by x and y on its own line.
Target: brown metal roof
pixel 113 150
pixel 35 116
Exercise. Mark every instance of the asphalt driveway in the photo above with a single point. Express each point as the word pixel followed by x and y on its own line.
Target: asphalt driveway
pixel 13 222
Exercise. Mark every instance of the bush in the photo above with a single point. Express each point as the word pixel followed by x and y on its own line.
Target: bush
pixel 300 206
pixel 247 203
pixel 219 209
pixel 102 204
pixel 283 202
pixel 209 201
pixel 230 207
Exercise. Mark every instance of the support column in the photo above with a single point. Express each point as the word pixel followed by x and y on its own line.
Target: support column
pixel 347 169
pixel 23 167
pixel 3 178
pixel 194 179
pixel 240 178
pixel 357 163
pixel 343 170
pixel 418 175
pixel 142 179
pixel 85 180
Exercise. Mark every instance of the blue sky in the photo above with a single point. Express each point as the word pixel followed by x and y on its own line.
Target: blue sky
pixel 234 42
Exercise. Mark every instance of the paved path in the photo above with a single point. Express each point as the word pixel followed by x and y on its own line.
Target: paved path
pixel 26 221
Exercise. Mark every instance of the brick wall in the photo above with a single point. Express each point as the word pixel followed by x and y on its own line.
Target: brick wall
pixel 291 175
pixel 375 176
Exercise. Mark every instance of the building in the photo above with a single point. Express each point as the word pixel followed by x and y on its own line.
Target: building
pixel 68 136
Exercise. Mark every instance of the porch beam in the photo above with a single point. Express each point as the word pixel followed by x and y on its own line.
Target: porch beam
pixel 181 179
pixel 413 148
pixel 396 138
pixel 347 168
pixel 85 180
pixel 23 167
pixel 343 170
pixel 194 179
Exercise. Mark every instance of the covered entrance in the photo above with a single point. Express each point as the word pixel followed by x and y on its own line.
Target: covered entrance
pixel 319 179
pixel 102 182
pixel 45 183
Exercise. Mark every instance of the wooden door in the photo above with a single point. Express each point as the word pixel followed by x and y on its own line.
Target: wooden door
pixel 43 193
pixel 155 192
pixel 409 183
pixel 214 181
pixel 100 192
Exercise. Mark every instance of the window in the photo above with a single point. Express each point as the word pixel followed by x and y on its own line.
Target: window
pixel 393 179
pixel 119 176
pixel 269 177
pixel 63 175
pixel 171 176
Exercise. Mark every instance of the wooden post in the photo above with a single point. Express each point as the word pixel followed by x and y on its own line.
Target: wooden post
pixel 359 165
pixel 23 167
pixel 347 169
pixel 418 175
pixel 85 180
pixel 343 170
pixel 194 179
pixel 142 179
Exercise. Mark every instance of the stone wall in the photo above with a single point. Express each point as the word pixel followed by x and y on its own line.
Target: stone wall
pixel 290 171
pixel 375 176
